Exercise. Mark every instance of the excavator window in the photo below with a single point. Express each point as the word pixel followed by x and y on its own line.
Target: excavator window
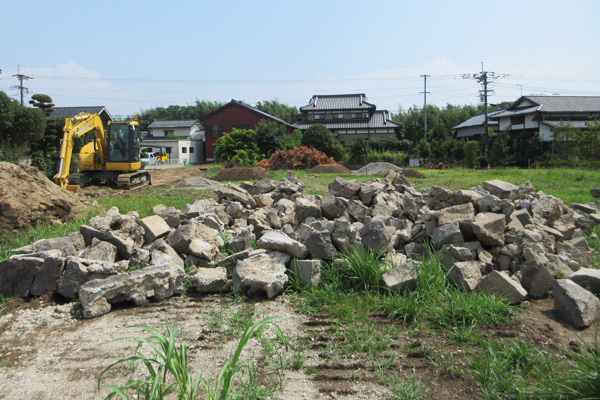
pixel 119 143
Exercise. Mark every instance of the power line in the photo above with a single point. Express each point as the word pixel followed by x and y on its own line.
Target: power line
pixel 20 86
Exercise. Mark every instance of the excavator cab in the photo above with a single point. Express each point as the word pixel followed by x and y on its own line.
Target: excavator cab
pixel 123 142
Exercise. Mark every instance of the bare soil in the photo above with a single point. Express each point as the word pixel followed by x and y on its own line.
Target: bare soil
pixel 241 174
pixel 27 198
pixel 48 351
pixel 329 169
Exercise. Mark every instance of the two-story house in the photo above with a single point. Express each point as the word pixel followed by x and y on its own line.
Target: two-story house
pixel 350 116
pixel 181 139
pixel 542 114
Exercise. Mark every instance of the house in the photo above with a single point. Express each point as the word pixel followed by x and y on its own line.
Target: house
pixel 70 112
pixel 350 116
pixel 542 114
pixel 183 128
pixel 182 140
pixel 474 126
pixel 235 114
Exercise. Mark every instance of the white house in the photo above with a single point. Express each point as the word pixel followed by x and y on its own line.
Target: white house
pixel 542 114
pixel 182 140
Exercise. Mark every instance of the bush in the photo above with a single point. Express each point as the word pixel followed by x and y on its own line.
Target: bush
pixel 291 141
pixel 320 138
pixel 471 151
pixel 239 146
pixel 269 136
pixel 481 162
pixel 359 150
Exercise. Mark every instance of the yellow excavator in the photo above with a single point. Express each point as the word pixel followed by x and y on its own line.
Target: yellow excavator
pixel 113 156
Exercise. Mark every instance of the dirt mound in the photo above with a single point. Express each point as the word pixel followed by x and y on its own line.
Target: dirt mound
pixel 197 182
pixel 28 197
pixel 299 158
pixel 329 169
pixel 241 174
pixel 376 168
pixel 412 173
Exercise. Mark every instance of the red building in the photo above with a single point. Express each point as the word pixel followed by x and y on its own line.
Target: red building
pixel 235 114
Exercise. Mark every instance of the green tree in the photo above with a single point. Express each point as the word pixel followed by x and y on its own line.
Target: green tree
pixel 282 111
pixel 424 149
pixel 458 152
pixel 238 146
pixel 499 151
pixel 472 149
pixel 19 127
pixel 270 136
pixel 292 141
pixel 527 149
pixel 46 151
pixel 320 138
pixel 359 150
pixel 43 102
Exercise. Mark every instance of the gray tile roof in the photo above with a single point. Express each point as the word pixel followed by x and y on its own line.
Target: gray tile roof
pixel 338 102
pixel 73 111
pixel 185 123
pixel 478 120
pixel 555 104
pixel 380 119
pixel 570 124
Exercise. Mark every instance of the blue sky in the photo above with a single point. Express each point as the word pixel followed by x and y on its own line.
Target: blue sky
pixel 134 55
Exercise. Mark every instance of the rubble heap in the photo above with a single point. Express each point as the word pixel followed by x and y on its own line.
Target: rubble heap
pixel 499 238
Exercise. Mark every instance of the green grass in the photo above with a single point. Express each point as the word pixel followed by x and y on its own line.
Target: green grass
pixel 167 370
pixel 570 185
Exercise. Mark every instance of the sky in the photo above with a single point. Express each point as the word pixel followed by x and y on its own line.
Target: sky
pixel 131 55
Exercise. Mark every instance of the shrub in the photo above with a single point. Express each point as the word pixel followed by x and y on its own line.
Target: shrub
pixel 269 136
pixel 481 162
pixel 238 146
pixel 471 151
pixel 320 138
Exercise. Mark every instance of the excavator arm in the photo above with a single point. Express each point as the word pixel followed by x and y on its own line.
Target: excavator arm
pixel 74 128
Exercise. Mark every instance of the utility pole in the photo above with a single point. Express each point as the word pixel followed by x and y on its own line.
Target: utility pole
pixel 22 88
pixel 425 101
pixel 484 78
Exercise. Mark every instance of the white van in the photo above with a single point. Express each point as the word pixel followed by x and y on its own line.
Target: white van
pixel 149 159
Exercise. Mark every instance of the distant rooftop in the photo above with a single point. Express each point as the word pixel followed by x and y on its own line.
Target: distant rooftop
pixel 73 111
pixel 338 102
pixel 185 123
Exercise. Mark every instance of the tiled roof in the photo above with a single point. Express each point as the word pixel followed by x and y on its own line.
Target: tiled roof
pixel 338 102
pixel 186 123
pixel 555 104
pixel 73 111
pixel 570 124
pixel 478 120
pixel 380 119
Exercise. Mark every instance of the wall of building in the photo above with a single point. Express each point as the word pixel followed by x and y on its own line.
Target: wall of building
pixel 229 117
pixel 177 149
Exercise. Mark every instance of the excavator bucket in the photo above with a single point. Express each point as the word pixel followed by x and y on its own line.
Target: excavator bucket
pixel 73 188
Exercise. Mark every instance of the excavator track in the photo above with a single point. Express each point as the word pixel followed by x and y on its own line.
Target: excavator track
pixel 134 180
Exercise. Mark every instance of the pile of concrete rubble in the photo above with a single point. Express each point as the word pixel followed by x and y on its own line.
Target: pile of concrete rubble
pixel 500 238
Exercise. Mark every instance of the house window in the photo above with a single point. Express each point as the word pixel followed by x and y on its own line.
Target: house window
pixel 169 132
pixel 517 120
pixel 191 150
pixel 338 116
pixel 214 131
pixel 360 115
pixel 184 149
pixel 319 116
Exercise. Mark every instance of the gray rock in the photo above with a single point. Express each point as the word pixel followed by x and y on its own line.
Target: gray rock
pixel 306 208
pixel 574 304
pixel 308 272
pixel 459 213
pixel 500 284
pixel 489 228
pixel 241 240
pixel 447 234
pixel 279 242
pixel 465 275
pixel 414 250
pixel 235 193
pixel 320 246
pixel 376 236
pixel 79 271
pixel 153 282
pixel 265 185
pixel 587 278
pixel 400 274
pixel 101 251
pixel 595 193
pixel 202 249
pixel 357 210
pixel 210 280
pixel 263 273
pixel 46 280
pixel 17 274
pixel 503 190
pixel 331 206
